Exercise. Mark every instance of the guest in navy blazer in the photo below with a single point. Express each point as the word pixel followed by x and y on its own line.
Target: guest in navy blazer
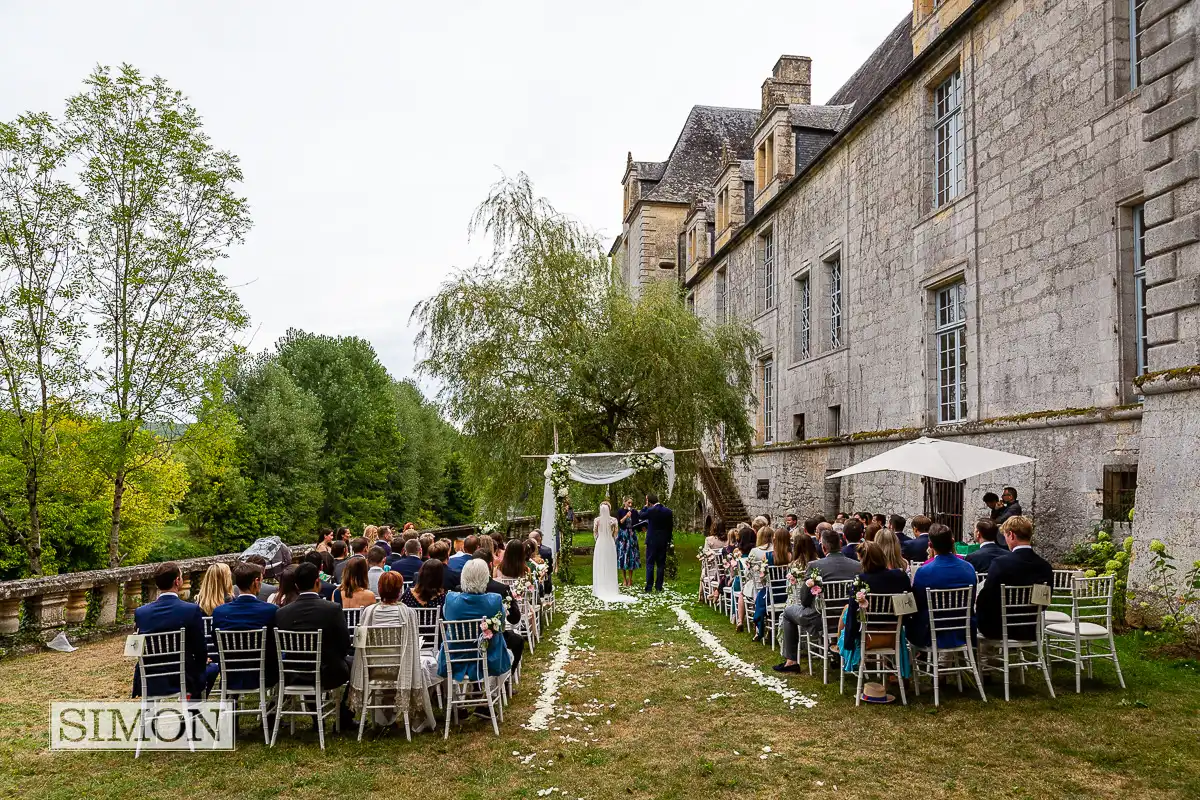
pixel 458 560
pixel 853 531
pixel 1021 567
pixel 410 563
pixel 247 613
pixel 989 550
pixel 896 525
pixel 944 571
pixel 917 549
pixel 169 613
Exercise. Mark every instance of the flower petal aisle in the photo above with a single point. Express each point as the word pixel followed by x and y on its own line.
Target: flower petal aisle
pixel 544 708
pixel 726 659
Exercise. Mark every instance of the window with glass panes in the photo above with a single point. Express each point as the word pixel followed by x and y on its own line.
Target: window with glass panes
pixel 949 150
pixel 1139 290
pixel 722 298
pixel 834 269
pixel 951 334
pixel 768 270
pixel 803 322
pixel 1135 61
pixel 768 400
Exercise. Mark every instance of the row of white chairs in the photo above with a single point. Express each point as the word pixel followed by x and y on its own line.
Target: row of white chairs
pixel 1076 628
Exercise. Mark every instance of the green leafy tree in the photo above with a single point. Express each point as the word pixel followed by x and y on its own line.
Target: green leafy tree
pixel 356 399
pixel 541 334
pixel 41 314
pixel 458 499
pixel 161 207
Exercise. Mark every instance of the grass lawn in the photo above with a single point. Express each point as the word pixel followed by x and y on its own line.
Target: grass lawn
pixel 651 716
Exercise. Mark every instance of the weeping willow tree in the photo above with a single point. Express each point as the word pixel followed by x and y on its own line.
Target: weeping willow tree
pixel 541 334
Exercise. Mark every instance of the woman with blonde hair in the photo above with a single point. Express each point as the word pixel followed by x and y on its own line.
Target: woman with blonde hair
pixel 216 588
pixel 758 523
pixel 370 533
pixel 890 545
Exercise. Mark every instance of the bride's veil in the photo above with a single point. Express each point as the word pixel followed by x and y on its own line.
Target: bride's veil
pixel 604 519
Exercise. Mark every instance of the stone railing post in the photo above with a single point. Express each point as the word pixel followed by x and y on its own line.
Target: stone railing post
pixel 75 609
pixel 133 597
pixel 185 591
pixel 107 595
pixel 10 615
pixel 47 610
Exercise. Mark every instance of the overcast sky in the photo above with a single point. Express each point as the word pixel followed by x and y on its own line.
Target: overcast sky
pixel 369 131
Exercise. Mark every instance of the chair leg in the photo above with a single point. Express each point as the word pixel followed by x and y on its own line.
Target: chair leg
pixel 262 712
pixel 407 727
pixel 1004 664
pixel 320 721
pixel 1045 662
pixel 362 719
pixel 1112 648
pixel 1078 667
pixel 976 672
pixel 862 663
pixel 900 680
pixel 487 693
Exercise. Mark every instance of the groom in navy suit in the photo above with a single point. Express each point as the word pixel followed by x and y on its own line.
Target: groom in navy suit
pixel 660 524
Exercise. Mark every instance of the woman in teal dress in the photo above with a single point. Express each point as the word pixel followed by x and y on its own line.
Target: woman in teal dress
pixel 628 557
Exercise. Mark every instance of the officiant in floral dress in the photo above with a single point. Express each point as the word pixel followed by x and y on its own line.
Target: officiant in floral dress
pixel 628 556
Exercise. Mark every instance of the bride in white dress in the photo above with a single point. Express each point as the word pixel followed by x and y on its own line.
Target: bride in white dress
pixel 604 559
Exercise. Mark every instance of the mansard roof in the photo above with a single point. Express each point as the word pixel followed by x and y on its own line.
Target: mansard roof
pixel 878 72
pixel 695 160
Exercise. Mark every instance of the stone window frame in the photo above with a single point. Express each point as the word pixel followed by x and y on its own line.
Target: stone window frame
pixel 950 64
pixel 766 269
pixel 1130 285
pixel 945 275
pixel 949 140
pixel 764 162
pixel 950 336
pixel 802 310
pixel 767 380
pixel 721 294
pixel 833 274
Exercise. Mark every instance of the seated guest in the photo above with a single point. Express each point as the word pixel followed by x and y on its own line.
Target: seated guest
pixel 713 541
pixel 811 527
pixel 790 521
pixel 324 565
pixel 890 545
pixel 441 552
pixel 880 520
pixel 338 550
pixel 169 613
pixel 486 549
pixel 896 525
pixel 992 501
pixel 864 517
pixel 408 564
pixel 547 553
pixel 343 535
pixel 358 550
pixel 390 613
pixel 1012 508
pixel 741 587
pixel 247 613
pixel 308 612
pixel 268 588
pixel 986 532
pixel 426 540
pixel 512 563
pixel 514 640
pixel 287 591
pixel 458 560
pixel 498 542
pixel 803 616
pixel 917 548
pixel 215 589
pixel 355 591
pixel 429 588
pixel 538 566
pixel 1021 567
pixel 852 531
pixel 324 540
pixel 944 571
pixel 375 559
pixel 804 550
pixel 879 580
pixel 385 540
pixel 872 529
pixel 778 556
pixel 472 603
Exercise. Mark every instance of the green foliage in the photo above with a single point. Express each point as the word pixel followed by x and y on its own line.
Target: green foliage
pixel 458 501
pixel 543 336
pixel 1102 556
pixel 1173 596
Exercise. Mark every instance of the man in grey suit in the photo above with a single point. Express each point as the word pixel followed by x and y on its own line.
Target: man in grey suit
pixel 804 616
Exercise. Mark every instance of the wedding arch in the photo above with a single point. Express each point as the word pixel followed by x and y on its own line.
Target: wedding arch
pixel 595 469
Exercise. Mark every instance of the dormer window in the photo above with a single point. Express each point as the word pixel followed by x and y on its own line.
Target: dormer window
pixel 764 162
pixel 723 209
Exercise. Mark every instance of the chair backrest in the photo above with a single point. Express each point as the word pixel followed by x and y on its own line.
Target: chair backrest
pixel 462 645
pixel 428 628
pixel 949 610
pixel 832 600
pixel 385 651
pixel 299 654
pixel 1062 589
pixel 879 618
pixel 1092 600
pixel 243 653
pixel 162 658
pixel 210 641
pixel 1018 613
pixel 777 585
pixel 352 615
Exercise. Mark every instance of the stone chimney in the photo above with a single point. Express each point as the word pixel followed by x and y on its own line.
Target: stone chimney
pixel 790 83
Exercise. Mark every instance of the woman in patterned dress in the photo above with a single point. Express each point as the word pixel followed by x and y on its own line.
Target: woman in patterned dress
pixel 628 556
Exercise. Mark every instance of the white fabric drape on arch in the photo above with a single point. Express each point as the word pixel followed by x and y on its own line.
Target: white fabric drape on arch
pixel 595 469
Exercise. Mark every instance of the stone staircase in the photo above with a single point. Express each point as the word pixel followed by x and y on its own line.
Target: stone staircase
pixel 722 492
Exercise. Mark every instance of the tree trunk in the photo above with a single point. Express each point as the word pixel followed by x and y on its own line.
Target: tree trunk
pixel 33 544
pixel 114 536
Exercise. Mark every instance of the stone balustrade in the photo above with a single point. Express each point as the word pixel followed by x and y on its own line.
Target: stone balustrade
pixel 55 601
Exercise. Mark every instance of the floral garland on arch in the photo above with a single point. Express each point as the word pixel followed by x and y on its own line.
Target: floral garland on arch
pixel 644 461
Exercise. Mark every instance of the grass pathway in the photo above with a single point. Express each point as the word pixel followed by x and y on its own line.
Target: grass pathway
pixel 656 700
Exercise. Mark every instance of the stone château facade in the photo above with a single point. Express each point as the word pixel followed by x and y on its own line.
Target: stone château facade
pixel 990 232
